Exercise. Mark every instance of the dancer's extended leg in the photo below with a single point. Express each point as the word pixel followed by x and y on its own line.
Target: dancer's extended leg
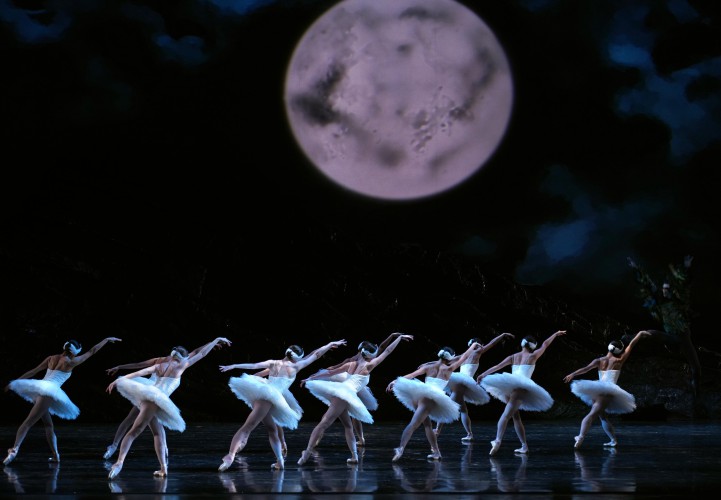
pixel 520 432
pixel 358 429
pixel 161 447
pixel 260 409
pixel 511 408
pixel 349 436
pixel 336 407
pixel 39 409
pixel 596 410
pixel 419 416
pixel 122 429
pixel 608 429
pixel 51 437
pixel 146 414
pixel 432 438
pixel 275 443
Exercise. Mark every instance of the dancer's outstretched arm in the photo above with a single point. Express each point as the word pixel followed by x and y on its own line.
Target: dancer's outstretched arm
pixel 496 340
pixel 593 364
pixel 459 360
pixel 85 356
pixel 382 356
pixel 627 352
pixel 205 350
pixel 494 369
pixel 139 373
pixel 262 365
pixel 539 352
pixel 31 373
pixel 136 366
pixel 316 354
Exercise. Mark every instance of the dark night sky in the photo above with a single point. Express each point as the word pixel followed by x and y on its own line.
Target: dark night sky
pixel 158 128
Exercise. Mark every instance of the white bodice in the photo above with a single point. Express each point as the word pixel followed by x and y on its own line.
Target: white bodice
pixel 523 370
pixel 609 375
pixel 436 382
pixel 281 383
pixel 167 384
pixel 469 369
pixel 56 376
pixel 357 381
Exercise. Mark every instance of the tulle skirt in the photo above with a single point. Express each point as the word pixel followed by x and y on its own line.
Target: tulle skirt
pixel 31 389
pixel 326 389
pixel 473 393
pixel 249 389
pixel 589 390
pixel 501 385
pixel 138 392
pixel 411 391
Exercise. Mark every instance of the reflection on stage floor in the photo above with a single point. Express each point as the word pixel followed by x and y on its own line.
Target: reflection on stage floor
pixel 659 459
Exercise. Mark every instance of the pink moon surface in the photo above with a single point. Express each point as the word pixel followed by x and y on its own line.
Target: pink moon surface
pixel 398 99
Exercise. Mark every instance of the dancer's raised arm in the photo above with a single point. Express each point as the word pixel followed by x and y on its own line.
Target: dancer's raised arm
pixel 593 364
pixel 496 340
pixel 627 352
pixel 81 358
pixel 542 348
pixel 382 356
pixel 194 357
pixel 507 361
pixel 31 373
pixel 318 353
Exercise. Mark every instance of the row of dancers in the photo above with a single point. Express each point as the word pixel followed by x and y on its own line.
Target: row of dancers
pixel 441 398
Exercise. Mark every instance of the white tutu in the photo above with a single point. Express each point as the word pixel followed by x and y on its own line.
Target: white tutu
pixel 365 394
pixel 30 389
pixel 474 393
pixel 589 390
pixel 501 385
pixel 137 390
pixel 347 391
pixel 411 391
pixel 250 388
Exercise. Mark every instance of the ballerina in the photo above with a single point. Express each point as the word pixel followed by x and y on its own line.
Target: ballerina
pixel 133 413
pixel 153 401
pixel 464 388
pixel 516 389
pixel 46 395
pixel 428 400
pixel 342 398
pixel 604 396
pixel 269 398
pixel 371 350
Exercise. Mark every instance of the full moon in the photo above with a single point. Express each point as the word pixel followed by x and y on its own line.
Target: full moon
pixel 398 99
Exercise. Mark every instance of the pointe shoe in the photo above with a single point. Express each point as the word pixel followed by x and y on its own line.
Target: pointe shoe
pixel 110 451
pixel 398 454
pixel 161 473
pixel 115 470
pixel 227 462
pixel 352 460
pixel 467 439
pixel 434 456
pixel 579 441
pixel 495 445
pixel 610 444
pixel 304 457
pixel 523 450
pixel 12 453
pixel 54 459
pixel 278 466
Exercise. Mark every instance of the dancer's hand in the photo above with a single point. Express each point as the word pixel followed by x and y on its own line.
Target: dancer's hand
pixel 568 378
pixel 337 343
pixel 114 339
pixel 110 388
pixel 222 341
pixel 390 386
pixel 406 337
pixel 506 334
pixel 225 368
pixel 112 371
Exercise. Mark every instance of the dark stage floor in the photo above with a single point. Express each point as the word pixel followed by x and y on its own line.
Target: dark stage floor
pixel 653 459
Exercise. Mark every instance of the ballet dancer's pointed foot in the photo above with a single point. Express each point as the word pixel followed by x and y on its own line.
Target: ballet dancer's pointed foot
pixel 115 470
pixel 12 453
pixel 352 460
pixel 495 445
pixel 467 439
pixel 579 441
pixel 397 454
pixel 110 451
pixel 227 462
pixel 279 465
pixel 523 450
pixel 436 455
pixel 163 472
pixel 304 457
pixel 611 444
